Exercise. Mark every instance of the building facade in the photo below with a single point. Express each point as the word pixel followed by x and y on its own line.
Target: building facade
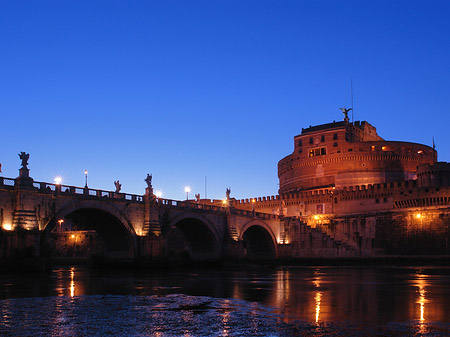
pixel 377 196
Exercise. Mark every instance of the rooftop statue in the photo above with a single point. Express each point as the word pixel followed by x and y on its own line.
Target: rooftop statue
pixel 24 157
pixel 148 180
pixel 228 192
pixel 118 186
pixel 345 111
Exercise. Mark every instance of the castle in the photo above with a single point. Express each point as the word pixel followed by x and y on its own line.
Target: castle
pixel 377 196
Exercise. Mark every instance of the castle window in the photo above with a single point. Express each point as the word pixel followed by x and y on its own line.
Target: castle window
pixel 373 147
pixel 310 140
pixel 322 138
pixel 335 136
pixel 350 150
pixel 299 142
pixel 335 144
pixel 320 151
pixel 300 151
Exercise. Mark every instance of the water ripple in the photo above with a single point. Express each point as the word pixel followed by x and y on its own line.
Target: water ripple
pixel 173 315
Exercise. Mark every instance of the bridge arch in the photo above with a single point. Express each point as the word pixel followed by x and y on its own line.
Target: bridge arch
pixel 117 235
pixel 259 240
pixel 194 235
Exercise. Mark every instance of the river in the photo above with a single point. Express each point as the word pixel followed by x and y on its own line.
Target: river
pixel 283 301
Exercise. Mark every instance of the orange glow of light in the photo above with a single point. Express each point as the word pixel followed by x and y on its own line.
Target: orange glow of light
pixel 73 236
pixel 72 283
pixel 7 227
pixel 253 200
pixel 418 215
pixel 316 217
pixel 318 299
pixel 422 302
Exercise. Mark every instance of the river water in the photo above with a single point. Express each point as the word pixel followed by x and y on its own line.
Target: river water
pixel 283 301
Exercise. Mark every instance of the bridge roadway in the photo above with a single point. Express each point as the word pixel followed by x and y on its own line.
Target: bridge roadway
pixel 40 219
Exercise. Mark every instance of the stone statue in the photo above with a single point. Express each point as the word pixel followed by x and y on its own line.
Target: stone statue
pixel 148 180
pixel 24 157
pixel 345 111
pixel 118 186
pixel 197 197
pixel 228 192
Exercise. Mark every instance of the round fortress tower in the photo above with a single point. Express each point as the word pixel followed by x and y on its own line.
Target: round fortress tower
pixel 341 154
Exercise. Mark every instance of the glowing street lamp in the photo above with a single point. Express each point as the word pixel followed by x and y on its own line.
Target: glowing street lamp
pixel 187 189
pixel 158 194
pixel 58 180
pixel 85 175
pixel 60 221
pixel 7 227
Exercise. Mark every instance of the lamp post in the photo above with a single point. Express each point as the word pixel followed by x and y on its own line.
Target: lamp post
pixel 187 189
pixel 85 175
pixel 60 221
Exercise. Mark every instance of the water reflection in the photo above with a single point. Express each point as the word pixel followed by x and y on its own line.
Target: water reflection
pixel 421 283
pixel 72 282
pixel 318 295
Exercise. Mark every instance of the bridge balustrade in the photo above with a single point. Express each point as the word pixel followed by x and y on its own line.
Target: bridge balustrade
pixel 44 187
pixel 6 181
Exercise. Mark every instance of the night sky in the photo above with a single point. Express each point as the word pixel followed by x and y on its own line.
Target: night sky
pixel 188 89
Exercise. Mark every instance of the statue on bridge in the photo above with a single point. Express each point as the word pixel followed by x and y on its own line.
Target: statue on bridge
pixel 24 157
pixel 197 197
pixel 118 186
pixel 148 180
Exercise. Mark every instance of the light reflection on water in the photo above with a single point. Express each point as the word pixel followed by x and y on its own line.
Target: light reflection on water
pixel 321 298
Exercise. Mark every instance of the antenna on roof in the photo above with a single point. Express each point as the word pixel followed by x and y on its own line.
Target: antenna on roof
pixel 351 94
pixel 434 145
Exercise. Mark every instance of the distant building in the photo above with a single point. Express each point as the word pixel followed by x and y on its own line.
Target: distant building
pixel 348 154
pixel 377 196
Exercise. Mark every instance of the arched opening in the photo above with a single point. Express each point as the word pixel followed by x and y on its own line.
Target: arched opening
pixel 258 243
pixel 192 238
pixel 87 233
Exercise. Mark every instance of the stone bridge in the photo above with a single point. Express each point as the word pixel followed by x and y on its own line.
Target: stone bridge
pixel 42 219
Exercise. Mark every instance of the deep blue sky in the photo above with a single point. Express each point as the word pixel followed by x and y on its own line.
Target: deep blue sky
pixel 188 89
